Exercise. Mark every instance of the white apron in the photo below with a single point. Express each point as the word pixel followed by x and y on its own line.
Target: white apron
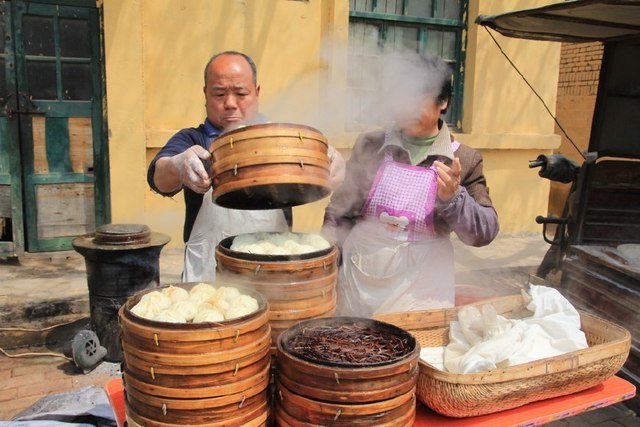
pixel 213 224
pixel 392 260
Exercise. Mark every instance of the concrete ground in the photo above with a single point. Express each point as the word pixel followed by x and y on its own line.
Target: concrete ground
pixel 44 303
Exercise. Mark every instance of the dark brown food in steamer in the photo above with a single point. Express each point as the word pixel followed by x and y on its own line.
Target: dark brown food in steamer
pixel 321 380
pixel 350 344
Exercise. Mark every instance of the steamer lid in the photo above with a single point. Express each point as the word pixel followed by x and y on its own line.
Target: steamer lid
pixel 120 237
pixel 269 166
pixel 123 234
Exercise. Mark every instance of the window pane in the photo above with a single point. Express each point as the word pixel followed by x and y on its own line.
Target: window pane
pixel 363 71
pixel 388 6
pixel 420 8
pixel 354 72
pixel 442 43
pixel 76 81
pixel 363 107
pixel 74 38
pixel 401 39
pixel 363 55
pixel 448 9
pixel 434 42
pixel 361 5
pixel 449 45
pixel 41 78
pixel 3 80
pixel 38 35
pixel 363 38
pixel 2 34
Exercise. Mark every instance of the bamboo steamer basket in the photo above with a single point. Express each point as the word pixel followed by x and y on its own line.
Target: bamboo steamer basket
pixel 468 395
pixel 203 374
pixel 297 287
pixel 269 166
pixel 320 393
pixel 295 410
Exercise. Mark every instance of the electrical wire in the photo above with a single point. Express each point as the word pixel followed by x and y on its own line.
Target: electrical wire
pixel 536 94
pixel 40 330
pixel 18 355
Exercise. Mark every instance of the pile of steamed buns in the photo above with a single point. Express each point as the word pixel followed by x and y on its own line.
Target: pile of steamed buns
pixel 203 303
pixel 285 243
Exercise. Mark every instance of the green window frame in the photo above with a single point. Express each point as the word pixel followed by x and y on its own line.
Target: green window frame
pixel 436 27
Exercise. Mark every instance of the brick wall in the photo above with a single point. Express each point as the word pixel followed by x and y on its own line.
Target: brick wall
pixel 577 90
pixel 579 69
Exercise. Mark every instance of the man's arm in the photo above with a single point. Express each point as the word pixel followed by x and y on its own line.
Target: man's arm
pixel 180 163
pixel 184 169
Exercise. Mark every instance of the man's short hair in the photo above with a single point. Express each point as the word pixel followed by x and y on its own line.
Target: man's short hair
pixel 254 69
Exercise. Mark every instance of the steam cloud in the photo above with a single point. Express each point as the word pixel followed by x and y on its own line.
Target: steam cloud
pixel 374 88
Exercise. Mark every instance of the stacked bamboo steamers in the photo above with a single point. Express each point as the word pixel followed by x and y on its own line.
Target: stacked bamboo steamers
pixel 199 374
pixel 346 371
pixel 218 373
pixel 274 166
pixel 270 166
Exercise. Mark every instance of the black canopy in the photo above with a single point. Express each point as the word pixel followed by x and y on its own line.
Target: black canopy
pixel 615 128
pixel 570 21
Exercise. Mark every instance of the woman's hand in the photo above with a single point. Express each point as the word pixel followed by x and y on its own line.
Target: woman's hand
pixel 448 179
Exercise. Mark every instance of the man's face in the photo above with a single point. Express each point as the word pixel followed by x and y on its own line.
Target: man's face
pixel 231 96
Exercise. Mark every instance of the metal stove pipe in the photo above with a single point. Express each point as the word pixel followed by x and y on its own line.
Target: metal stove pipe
pixel 121 260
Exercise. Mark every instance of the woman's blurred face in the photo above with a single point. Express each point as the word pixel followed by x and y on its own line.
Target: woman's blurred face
pixel 423 123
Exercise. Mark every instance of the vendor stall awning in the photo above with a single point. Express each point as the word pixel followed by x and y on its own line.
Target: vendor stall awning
pixel 570 21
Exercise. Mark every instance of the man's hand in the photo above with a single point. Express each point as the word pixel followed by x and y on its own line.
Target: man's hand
pixel 336 168
pixel 184 169
pixel 191 169
pixel 448 179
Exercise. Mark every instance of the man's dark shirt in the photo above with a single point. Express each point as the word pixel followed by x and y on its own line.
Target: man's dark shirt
pixel 203 135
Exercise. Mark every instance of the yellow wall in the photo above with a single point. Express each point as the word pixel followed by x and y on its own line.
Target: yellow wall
pixel 505 119
pixel 156 50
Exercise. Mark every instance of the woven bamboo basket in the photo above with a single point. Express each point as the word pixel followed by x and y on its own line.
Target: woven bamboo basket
pixel 468 395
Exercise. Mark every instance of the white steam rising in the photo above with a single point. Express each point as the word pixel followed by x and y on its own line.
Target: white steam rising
pixel 407 80
pixel 368 86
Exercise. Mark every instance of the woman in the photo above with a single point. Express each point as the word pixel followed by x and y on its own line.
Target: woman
pixel 406 189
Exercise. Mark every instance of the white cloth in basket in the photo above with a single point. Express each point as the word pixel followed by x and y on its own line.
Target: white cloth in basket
pixel 433 356
pixel 482 340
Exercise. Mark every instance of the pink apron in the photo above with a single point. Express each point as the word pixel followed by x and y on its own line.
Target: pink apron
pixel 402 197
pixel 393 259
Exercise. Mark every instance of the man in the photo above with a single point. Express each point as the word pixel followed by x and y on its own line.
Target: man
pixel 231 92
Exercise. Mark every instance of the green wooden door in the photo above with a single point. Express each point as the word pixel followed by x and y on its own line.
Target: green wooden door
pixel 63 153
pixel 11 225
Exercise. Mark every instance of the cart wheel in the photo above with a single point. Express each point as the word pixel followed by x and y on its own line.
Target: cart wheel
pixel 86 350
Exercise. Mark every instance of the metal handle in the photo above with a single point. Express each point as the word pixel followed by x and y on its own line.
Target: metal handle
pixel 10 113
pixel 26 112
pixel 550 220
pixel 29 103
pixel 536 163
pixel 544 220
